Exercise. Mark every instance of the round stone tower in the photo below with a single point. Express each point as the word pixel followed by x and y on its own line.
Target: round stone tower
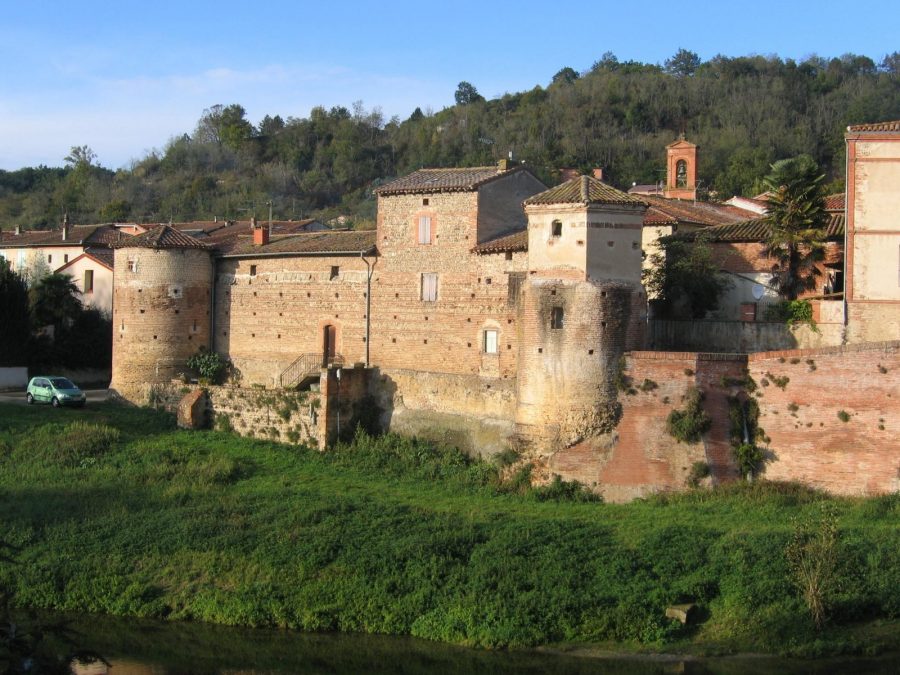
pixel 161 308
pixel 582 307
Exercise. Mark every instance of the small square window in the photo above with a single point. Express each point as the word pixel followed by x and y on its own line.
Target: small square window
pixel 252 270
pixel 490 341
pixel 556 318
pixel 425 201
pixel 556 228
pixel 335 271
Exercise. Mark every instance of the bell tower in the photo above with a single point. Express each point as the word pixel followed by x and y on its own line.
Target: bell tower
pixel 681 170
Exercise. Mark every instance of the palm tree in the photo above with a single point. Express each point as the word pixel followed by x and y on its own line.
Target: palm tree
pixel 55 302
pixel 796 218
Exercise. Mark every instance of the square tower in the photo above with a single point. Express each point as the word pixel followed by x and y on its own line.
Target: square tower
pixel 681 170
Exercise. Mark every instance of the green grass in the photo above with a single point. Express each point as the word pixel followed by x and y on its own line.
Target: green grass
pixel 396 536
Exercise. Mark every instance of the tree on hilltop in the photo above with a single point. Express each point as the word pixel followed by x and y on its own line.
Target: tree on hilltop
pixel 683 64
pixel 466 93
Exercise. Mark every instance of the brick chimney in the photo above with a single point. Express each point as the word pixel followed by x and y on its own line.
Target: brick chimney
pixel 65 227
pixel 598 173
pixel 260 235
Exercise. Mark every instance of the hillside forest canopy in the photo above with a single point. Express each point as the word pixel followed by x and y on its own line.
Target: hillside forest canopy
pixel 745 113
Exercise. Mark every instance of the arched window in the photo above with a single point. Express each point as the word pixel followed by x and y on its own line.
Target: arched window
pixel 681 173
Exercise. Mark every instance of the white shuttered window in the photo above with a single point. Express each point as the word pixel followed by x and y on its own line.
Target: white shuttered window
pixel 424 229
pixel 429 287
pixel 490 341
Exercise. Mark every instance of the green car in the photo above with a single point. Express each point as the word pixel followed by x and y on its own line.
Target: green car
pixel 56 391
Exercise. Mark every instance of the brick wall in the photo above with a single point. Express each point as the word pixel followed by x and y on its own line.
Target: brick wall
pixel 806 441
pixel 640 457
pixel 264 322
pixel 160 314
pixel 811 444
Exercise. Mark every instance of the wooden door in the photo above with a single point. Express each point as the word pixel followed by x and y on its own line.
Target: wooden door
pixel 328 344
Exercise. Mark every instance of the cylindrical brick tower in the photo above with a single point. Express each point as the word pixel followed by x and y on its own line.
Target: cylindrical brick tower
pixel 161 308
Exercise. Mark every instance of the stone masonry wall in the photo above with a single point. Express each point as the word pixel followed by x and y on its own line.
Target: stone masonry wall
pixel 284 416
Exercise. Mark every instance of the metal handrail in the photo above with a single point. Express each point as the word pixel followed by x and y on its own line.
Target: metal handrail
pixel 306 365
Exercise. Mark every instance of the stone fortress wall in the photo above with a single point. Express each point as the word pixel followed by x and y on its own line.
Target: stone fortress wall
pixel 549 383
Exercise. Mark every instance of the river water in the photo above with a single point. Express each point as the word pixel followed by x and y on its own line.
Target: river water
pixel 139 647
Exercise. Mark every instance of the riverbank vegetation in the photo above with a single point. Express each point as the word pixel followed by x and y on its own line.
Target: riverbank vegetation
pixel 395 536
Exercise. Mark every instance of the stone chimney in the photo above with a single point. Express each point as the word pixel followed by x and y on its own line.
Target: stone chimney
pixel 18 230
pixel 506 164
pixel 252 222
pixel 65 226
pixel 598 173
pixel 260 235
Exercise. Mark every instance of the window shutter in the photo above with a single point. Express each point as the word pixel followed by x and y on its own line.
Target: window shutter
pixel 490 342
pixel 429 287
pixel 424 229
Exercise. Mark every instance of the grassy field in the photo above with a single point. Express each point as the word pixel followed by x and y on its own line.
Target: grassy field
pixel 111 510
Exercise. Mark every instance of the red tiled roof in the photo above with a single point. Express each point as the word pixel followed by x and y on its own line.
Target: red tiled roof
pixel 341 242
pixel 756 230
pixel 164 237
pixel 655 216
pixel 443 180
pixel 517 241
pixel 79 235
pixel 104 256
pixel 699 213
pixel 583 190
pixel 875 126
pixel 836 202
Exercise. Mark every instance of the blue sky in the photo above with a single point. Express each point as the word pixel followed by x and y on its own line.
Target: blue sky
pixel 124 77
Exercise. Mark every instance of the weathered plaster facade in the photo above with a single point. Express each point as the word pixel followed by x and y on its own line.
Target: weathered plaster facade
pixel 873 232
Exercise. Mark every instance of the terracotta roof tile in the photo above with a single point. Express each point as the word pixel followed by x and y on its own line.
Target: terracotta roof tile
pixel 101 235
pixel 517 241
pixel 583 190
pixel 875 126
pixel 836 202
pixel 755 230
pixel 655 216
pixel 309 243
pixel 699 213
pixel 162 237
pixel 443 180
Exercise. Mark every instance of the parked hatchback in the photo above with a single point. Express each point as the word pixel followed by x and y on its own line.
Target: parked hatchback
pixel 56 391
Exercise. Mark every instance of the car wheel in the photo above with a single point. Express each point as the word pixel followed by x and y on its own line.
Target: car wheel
pixel 55 402
pixel 29 398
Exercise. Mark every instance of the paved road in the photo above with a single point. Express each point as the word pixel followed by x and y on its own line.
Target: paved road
pixel 93 396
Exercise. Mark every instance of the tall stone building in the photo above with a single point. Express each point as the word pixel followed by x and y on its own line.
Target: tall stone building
pixel 486 307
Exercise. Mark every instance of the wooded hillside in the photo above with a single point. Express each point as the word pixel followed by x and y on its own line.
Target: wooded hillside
pixel 744 112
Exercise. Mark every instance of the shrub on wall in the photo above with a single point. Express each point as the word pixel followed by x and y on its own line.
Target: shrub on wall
pixel 209 365
pixel 689 425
